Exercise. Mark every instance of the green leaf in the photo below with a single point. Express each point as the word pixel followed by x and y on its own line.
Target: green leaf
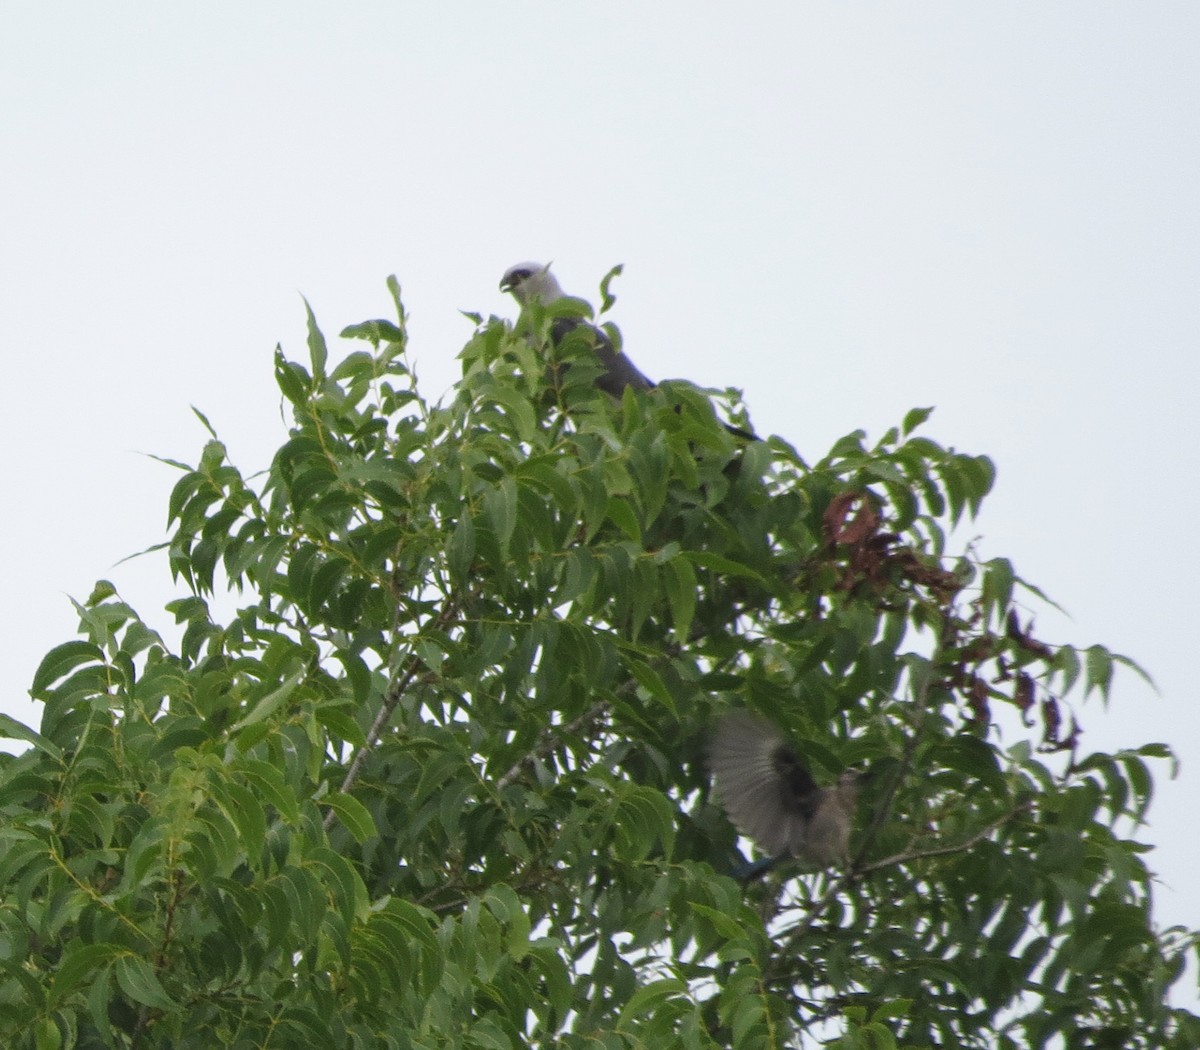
pixel 137 979
pixel 246 812
pixel 915 418
pixel 292 379
pixel 1066 663
pixel 728 926
pixel 393 287
pixel 681 591
pixel 268 781
pixel 46 1034
pixel 61 661
pixel 607 299
pixel 317 351
pixel 645 1001
pixel 101 591
pixel 374 331
pixel 543 473
pixel 204 422
pixel 884 471
pixel 354 816
pixel 350 895
pixel 500 506
pixel 517 409
pixel 650 680
pixel 341 725
pixel 556 981
pixel 998 579
pixel 460 552
pixel 879 1037
pixel 982 473
pixel 11 729
pixel 891 1011
pixel 621 514
pixel 79 964
pixel 643 823
pixel 265 707
pixel 727 566
pixel 1099 664
pixel 306 1028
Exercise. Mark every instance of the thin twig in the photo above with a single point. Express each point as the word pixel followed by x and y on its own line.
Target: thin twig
pixel 854 874
pixel 942 851
pixel 395 692
pixel 554 735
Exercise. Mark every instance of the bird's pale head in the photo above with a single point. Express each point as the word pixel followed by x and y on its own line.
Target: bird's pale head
pixel 530 280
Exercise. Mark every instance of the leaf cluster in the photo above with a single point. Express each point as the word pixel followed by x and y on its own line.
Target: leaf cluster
pixel 439 779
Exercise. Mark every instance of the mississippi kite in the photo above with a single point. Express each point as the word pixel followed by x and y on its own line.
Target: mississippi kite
pixel 530 281
pixel 770 795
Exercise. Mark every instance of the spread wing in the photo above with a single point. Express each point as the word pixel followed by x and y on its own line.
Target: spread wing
pixel 764 786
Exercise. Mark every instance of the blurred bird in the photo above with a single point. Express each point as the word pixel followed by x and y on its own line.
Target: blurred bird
pixel 770 795
pixel 530 281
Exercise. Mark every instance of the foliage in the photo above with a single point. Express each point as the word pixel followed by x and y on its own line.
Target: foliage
pixel 439 779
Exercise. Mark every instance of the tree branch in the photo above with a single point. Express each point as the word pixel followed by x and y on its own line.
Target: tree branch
pixel 395 692
pixel 555 735
pixel 942 851
pixel 551 738
pixel 797 933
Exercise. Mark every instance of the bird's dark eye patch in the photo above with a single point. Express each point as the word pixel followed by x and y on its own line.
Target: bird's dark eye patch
pixel 519 275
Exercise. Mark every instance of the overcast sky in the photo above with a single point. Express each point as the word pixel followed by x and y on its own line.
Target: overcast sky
pixel 844 210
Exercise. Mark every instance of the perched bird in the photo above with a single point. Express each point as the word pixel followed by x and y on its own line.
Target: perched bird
pixel 771 796
pixel 530 281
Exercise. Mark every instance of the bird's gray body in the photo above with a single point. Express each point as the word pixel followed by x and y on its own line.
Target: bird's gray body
pixel 771 796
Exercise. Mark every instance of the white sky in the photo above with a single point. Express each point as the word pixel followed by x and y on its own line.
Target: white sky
pixel 845 210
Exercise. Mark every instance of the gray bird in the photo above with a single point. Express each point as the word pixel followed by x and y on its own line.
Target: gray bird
pixel 771 796
pixel 530 281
